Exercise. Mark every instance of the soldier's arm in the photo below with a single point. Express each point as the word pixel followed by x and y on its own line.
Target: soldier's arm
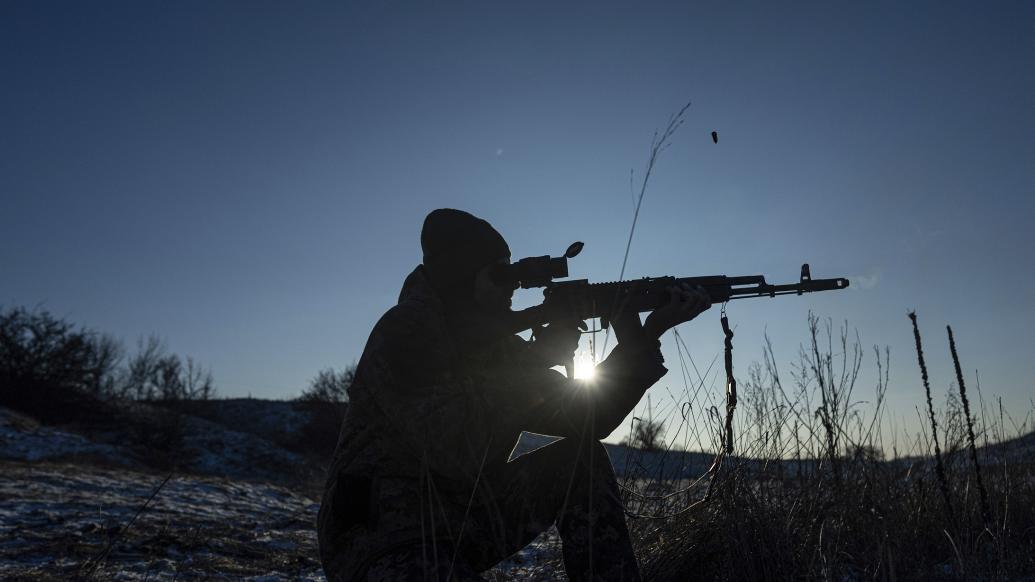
pixel 571 407
pixel 568 408
pixel 556 405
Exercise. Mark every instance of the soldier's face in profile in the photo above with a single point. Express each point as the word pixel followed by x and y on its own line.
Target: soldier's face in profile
pixel 490 295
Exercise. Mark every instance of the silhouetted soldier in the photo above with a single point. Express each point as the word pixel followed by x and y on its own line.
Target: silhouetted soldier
pixel 420 487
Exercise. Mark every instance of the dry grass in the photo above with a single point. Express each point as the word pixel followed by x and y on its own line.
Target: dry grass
pixel 809 494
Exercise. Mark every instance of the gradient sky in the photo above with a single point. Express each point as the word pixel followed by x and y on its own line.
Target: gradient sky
pixel 248 180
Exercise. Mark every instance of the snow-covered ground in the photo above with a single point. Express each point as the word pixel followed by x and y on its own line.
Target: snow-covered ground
pixel 57 519
pixel 70 503
pixel 61 509
pixel 70 507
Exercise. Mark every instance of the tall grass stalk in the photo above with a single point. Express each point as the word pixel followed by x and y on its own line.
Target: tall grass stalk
pixel 939 464
pixel 986 513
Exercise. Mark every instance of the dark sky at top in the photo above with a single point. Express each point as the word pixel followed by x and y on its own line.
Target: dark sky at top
pixel 248 179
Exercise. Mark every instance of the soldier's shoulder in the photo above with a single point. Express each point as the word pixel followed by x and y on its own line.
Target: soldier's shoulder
pixel 408 317
pixel 408 331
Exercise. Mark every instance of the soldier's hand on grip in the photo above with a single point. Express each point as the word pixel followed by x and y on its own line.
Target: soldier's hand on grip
pixel 685 303
pixel 556 343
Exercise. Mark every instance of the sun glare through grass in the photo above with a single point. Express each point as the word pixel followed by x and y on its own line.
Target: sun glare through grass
pixel 585 369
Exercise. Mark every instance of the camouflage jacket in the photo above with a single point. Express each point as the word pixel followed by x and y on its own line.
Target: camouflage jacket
pixel 427 414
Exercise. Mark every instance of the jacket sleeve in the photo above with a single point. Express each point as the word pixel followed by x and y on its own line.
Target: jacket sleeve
pixel 569 408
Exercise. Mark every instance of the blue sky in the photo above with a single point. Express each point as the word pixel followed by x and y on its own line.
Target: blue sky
pixel 248 180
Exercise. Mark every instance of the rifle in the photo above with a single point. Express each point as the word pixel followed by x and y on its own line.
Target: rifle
pixel 579 300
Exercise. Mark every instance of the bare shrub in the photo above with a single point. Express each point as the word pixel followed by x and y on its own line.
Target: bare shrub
pixel 37 347
pixel 647 435
pixel 63 374
pixel 326 400
pixel 48 366
pixel 330 385
pixel 153 374
pixel 818 495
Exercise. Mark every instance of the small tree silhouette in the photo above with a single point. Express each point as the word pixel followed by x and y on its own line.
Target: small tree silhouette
pixel 646 435
pixel 330 386
pixel 50 368
pixel 326 398
pixel 152 374
pixel 38 348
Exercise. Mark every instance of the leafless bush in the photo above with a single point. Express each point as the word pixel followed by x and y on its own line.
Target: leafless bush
pixel 153 374
pixel 329 385
pixel 326 399
pixel 52 369
pixel 64 374
pixel 38 348
pixel 646 434
pixel 815 497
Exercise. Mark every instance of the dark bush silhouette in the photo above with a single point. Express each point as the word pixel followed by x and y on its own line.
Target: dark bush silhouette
pixel 51 369
pixel 44 352
pixel 152 374
pixel 40 348
pixel 647 435
pixel 326 399
pixel 330 386
pixel 63 374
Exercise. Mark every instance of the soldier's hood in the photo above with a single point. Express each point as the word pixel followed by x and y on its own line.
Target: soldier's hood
pixel 468 325
pixel 417 287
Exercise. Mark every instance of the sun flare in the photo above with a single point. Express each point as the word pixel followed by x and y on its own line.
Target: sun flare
pixel 585 369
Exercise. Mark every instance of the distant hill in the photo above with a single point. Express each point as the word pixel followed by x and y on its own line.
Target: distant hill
pixel 249 447
pixel 277 421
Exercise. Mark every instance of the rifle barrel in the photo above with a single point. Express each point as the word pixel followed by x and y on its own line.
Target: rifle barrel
pixel 808 286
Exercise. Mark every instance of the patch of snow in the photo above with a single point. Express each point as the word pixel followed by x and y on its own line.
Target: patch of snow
pixel 538 560
pixel 57 517
pixel 23 439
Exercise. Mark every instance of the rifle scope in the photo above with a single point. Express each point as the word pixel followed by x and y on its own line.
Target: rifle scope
pixel 534 271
